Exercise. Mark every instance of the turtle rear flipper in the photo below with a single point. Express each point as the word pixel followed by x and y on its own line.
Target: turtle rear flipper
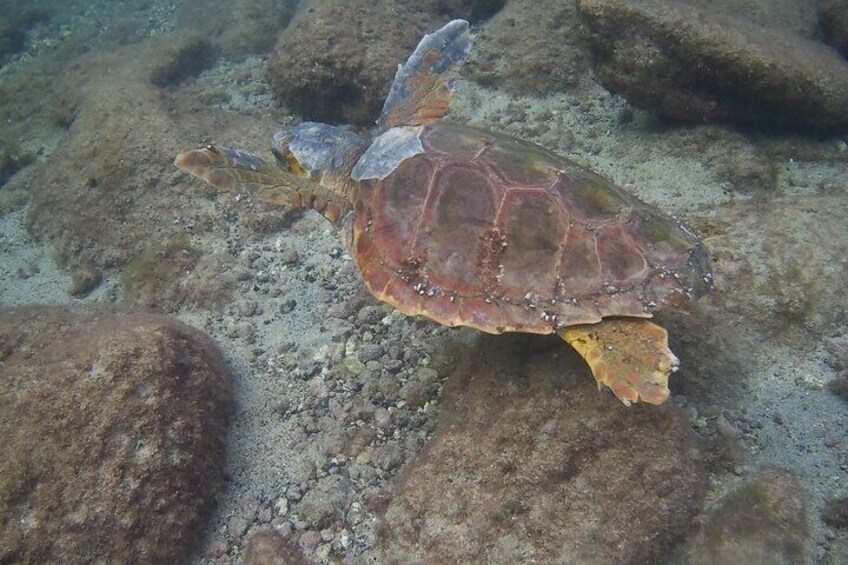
pixel 628 355
pixel 234 171
pixel 423 86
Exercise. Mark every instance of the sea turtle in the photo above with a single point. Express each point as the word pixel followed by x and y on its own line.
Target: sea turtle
pixel 473 228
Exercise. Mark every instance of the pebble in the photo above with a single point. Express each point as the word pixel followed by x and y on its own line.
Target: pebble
pixel 236 527
pixel 337 409
pixel 725 428
pixel 344 539
pixel 389 456
pixel 287 306
pixel 832 440
pixel 354 365
pixel 389 386
pixel 356 514
pixel 264 515
pixel 414 394
pixel 216 549
pixel 370 352
pixel 370 315
pixel 427 375
pixel 289 256
pixel 382 418
pixel 309 540
pixel 247 308
pixel 318 388
pixel 322 552
pixel 294 493
pixel 246 333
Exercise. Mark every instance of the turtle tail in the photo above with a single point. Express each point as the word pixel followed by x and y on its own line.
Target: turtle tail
pixel 236 172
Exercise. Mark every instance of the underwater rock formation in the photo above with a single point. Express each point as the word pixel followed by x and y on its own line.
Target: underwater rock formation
pixel 531 463
pixel 689 64
pixel 780 264
pixel 112 434
pixel 237 27
pixel 761 522
pixel 833 19
pixel 108 194
pixel 529 47
pixel 335 61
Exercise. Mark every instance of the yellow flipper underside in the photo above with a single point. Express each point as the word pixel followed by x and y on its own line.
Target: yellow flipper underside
pixel 628 355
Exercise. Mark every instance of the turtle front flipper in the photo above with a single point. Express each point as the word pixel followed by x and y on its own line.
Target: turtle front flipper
pixel 628 355
pixel 423 86
pixel 234 171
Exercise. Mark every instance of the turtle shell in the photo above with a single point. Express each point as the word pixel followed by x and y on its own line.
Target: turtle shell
pixel 487 231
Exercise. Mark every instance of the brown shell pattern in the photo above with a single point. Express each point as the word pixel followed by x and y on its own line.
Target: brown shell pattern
pixel 490 232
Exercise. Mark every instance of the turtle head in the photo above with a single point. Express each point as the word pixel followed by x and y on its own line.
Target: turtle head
pixel 320 152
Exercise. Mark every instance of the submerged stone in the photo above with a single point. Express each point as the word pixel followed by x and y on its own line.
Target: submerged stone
pixel 112 433
pixel 531 463
pixel 689 64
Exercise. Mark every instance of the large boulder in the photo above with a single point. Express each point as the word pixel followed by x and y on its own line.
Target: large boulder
pixel 780 264
pixel 237 27
pixel 762 521
pixel 108 195
pixel 689 64
pixel 531 463
pixel 833 19
pixel 529 47
pixel 336 60
pixel 112 432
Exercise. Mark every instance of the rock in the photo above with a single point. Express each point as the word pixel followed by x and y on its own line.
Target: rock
pixel 336 60
pixel 383 418
pixel 761 522
pixel 837 352
pixel 778 264
pixel 414 394
pixel 113 208
pixel 370 352
pixel 84 279
pixel 216 549
pixel 14 28
pixel 388 457
pixel 839 385
pixel 309 540
pixel 236 527
pixel 835 512
pixel 289 256
pixel 531 463
pixel 268 547
pixel 325 503
pixel 833 19
pixel 186 57
pixel 118 416
pixel 689 64
pixel 265 515
pixel 237 27
pixel 281 506
pixel 370 314
pixel 529 47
